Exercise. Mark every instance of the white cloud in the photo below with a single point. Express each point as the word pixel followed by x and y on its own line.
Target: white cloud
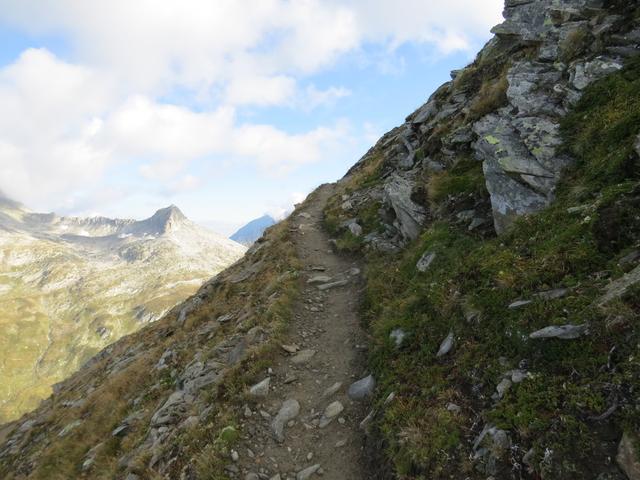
pixel 282 210
pixel 60 133
pixel 251 48
pixel 313 97
pixel 261 91
pixel 66 123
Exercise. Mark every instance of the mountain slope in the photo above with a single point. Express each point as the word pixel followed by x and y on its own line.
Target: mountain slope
pixel 498 229
pixel 253 230
pixel 71 286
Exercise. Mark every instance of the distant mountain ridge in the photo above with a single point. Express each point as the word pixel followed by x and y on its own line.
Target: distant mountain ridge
pixel 69 286
pixel 253 230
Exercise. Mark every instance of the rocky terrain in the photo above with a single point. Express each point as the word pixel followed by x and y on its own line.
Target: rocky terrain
pixel 462 304
pixel 71 286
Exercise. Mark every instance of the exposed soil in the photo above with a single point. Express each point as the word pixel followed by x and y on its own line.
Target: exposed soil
pixel 327 322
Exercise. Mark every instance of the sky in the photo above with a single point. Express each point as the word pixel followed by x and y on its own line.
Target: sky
pixel 227 108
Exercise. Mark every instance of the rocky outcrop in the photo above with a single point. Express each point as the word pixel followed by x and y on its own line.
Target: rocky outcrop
pixel 504 110
pixel 409 216
pixel 519 143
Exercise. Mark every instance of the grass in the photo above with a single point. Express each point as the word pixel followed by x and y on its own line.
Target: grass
pixel 575 43
pixel 491 96
pixel 468 288
pixel 465 177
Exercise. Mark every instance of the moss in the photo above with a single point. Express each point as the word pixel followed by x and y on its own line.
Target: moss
pixel 465 177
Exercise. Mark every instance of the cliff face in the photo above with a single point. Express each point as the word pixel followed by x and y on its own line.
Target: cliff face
pixel 500 235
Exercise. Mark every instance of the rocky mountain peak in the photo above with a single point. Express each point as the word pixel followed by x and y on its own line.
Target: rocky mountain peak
pixel 166 220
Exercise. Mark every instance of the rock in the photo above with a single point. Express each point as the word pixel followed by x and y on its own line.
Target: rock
pixel 519 304
pixel 173 410
pixel 619 287
pixel 629 258
pixel 225 318
pixel 288 411
pixel 333 410
pixel 319 279
pixel 425 112
pixel 166 359
pixel 366 421
pixel 637 145
pixel 355 229
pixel 628 458
pixel 190 422
pixel 290 348
pixel 565 332
pixel 235 456
pixel 260 389
pixel 517 183
pixel 132 476
pixel 362 389
pixel 198 375
pixel 90 457
pixel 332 390
pixel 303 357
pixel 397 335
pixel 307 472
pixel 475 223
pixel 446 345
pixel 327 286
pixel 552 294
pixel 452 407
pixel 518 376
pixel 409 216
pixel 586 73
pixel 120 431
pixel 503 386
pixel 432 166
pixel 489 447
pixel 237 352
pixel 251 476
pixel 256 335
pixel 276 477
pixel 69 427
pixel 425 261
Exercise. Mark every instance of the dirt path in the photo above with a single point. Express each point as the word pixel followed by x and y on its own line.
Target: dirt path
pixel 325 322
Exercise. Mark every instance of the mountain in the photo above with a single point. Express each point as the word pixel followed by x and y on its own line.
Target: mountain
pixel 253 230
pixel 70 286
pixel 462 304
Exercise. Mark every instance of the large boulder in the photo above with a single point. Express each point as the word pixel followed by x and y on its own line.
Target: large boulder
pixel 628 458
pixel 409 216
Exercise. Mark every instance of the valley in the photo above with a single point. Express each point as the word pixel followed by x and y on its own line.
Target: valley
pixel 71 286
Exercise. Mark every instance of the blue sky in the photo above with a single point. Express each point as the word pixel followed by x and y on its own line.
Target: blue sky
pixel 228 109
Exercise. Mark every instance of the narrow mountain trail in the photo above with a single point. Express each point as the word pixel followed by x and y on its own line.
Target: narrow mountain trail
pixel 307 391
